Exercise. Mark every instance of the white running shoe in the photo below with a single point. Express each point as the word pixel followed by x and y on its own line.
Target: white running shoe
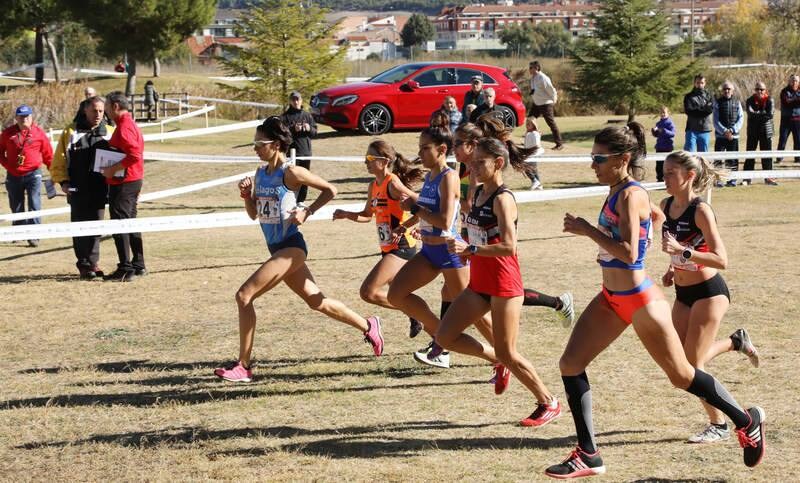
pixel 433 357
pixel 567 310
pixel 536 185
pixel 712 434
pixel 746 346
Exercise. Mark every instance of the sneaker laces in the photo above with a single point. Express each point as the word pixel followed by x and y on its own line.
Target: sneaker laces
pixel 574 455
pixel 745 440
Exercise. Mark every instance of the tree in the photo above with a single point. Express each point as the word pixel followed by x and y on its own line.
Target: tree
pixel 417 30
pixel 140 30
pixel 552 38
pixel 741 30
pixel 520 40
pixel 36 15
pixel 289 47
pixel 626 63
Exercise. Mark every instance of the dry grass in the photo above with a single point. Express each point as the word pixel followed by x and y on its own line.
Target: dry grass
pixel 112 382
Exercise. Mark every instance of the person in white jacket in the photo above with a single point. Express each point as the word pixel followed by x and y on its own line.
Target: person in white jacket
pixel 544 97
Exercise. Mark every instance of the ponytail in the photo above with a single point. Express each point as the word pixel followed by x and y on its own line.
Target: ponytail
pixel 705 172
pixel 517 153
pixel 626 139
pixel 407 171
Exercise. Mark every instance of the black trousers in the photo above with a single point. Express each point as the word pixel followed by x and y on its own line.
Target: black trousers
pixel 788 127
pixel 305 163
pixel 755 140
pixel 122 200
pixel 547 111
pixel 722 144
pixel 87 248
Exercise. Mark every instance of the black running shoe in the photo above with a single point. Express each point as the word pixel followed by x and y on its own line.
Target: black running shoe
pixel 578 464
pixel 751 438
pixel 414 328
pixel 121 275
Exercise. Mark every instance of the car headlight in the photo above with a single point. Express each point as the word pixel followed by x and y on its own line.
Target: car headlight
pixel 345 100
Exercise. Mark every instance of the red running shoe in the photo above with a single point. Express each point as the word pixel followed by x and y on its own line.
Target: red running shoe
pixel 578 464
pixel 502 376
pixel 544 414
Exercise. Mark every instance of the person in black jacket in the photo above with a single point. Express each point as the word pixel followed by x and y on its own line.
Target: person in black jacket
pixel 760 128
pixel 698 106
pixel 790 115
pixel 303 129
pixel 487 107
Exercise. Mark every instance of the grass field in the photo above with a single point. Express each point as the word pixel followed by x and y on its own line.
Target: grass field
pixel 109 381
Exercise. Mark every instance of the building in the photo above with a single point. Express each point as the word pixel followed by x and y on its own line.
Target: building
pixel 363 35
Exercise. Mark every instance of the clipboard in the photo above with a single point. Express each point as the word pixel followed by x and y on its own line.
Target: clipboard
pixel 105 157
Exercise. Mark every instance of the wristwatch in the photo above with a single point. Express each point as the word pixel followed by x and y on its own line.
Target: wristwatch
pixel 687 254
pixel 472 249
pixel 414 209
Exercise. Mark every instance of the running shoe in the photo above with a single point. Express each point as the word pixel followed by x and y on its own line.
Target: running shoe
pixel 235 372
pixel 415 327
pixel 433 355
pixel 502 377
pixel 374 335
pixel 578 464
pixel 536 185
pixel 712 434
pixel 746 346
pixel 567 310
pixel 770 182
pixel 751 438
pixel 544 414
pixel 731 183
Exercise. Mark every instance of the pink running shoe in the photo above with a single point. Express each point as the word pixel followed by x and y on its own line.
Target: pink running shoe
pixel 374 335
pixel 235 372
pixel 544 413
pixel 502 376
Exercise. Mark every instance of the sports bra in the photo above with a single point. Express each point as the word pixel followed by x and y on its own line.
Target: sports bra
pixel 608 223
pixel 430 197
pixel 685 231
pixel 274 202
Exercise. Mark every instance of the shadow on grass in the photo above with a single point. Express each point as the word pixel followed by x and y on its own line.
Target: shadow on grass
pixel 50 277
pixel 194 396
pixel 35 252
pixel 545 238
pixel 363 180
pixel 679 480
pixel 573 136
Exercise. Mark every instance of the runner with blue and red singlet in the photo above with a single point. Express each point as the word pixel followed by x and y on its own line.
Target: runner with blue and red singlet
pixel 495 282
pixel 629 297
pixel 394 174
pixel 271 199
pixel 697 254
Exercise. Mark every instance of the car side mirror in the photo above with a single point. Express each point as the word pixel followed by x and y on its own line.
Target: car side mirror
pixel 412 84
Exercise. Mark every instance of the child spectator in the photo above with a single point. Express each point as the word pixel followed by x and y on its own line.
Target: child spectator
pixel 664 131
pixel 533 139
pixel 449 112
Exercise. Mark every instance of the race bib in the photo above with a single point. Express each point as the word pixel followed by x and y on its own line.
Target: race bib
pixel 477 235
pixel 269 210
pixel 681 263
pixel 384 234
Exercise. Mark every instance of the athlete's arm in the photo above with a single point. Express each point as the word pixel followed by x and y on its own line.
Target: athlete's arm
pixel 246 193
pixel 717 256
pixel 399 191
pixel 449 197
pixel 669 275
pixel 657 216
pixel 362 216
pixel 297 176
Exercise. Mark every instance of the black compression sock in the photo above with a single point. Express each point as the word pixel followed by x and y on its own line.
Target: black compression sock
pixel 538 299
pixel 711 391
pixel 579 398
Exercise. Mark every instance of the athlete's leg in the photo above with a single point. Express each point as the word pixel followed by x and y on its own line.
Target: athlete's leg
pixel 302 283
pixel 416 273
pixel 373 289
pixel 680 319
pixel 454 284
pixel 538 299
pixel 505 316
pixel 262 280
pixel 467 309
pixel 704 321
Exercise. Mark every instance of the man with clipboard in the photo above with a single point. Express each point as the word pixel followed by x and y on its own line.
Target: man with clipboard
pixel 124 171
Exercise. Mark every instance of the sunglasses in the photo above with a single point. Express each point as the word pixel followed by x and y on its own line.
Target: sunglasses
pixel 371 157
pixel 602 158
pixel 760 89
pixel 258 144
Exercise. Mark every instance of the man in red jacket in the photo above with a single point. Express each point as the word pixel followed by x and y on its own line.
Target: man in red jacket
pixel 124 180
pixel 24 147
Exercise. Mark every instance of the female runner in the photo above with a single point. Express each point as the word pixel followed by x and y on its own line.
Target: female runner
pixel 697 254
pixel 394 175
pixel 629 297
pixel 270 197
pixel 495 282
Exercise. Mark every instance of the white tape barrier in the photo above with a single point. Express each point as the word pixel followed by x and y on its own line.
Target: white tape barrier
pixel 21 69
pixel 188 115
pixel 110 73
pixel 202 131
pixel 222 220
pixel 156 195
pixel 235 103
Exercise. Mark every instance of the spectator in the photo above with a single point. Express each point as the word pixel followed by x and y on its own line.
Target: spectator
pixel 487 107
pixel 543 100
pixel 728 122
pixel 301 124
pixel 664 131
pixel 450 110
pixel 124 179
pixel 698 106
pixel 151 100
pixel 86 189
pixel 533 140
pixel 759 129
pixel 24 147
pixel 88 93
pixel 790 115
pixel 473 96
pixel 469 109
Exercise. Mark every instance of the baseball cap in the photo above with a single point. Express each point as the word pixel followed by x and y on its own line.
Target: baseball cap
pixel 295 95
pixel 24 110
pixel 476 78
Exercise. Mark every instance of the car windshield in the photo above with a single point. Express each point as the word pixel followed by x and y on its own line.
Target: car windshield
pixel 396 73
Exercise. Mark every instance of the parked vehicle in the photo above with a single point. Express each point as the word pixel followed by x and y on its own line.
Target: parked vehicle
pixel 404 96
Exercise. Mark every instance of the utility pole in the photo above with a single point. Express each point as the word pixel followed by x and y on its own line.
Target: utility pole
pixel 691 27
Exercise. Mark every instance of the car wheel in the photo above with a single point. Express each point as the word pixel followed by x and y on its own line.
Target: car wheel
pixel 375 119
pixel 509 118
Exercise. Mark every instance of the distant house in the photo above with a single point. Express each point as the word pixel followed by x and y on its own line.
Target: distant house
pixel 363 35
pixel 207 43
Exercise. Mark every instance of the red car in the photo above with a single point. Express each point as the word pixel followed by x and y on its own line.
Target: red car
pixel 404 96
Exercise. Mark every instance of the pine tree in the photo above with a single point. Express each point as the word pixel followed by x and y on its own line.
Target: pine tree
pixel 417 30
pixel 626 62
pixel 289 48
pixel 39 16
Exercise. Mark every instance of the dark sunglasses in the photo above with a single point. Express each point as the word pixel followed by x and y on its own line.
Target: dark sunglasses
pixel 602 158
